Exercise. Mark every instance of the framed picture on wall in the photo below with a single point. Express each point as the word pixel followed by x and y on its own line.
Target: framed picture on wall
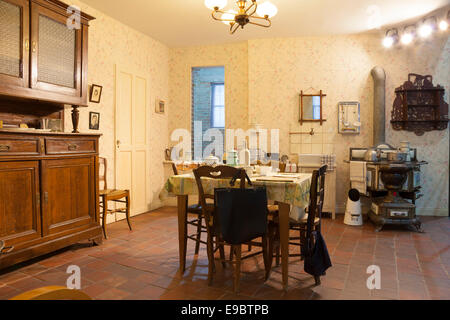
pixel 96 93
pixel 160 107
pixel 94 120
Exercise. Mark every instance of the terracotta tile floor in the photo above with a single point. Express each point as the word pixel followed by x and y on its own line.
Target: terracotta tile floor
pixel 143 264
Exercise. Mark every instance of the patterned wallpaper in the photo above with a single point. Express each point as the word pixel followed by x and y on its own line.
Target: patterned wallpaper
pixel 111 43
pixel 278 69
pixel 340 66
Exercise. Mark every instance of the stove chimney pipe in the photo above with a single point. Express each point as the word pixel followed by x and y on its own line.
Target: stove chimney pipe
pixel 379 106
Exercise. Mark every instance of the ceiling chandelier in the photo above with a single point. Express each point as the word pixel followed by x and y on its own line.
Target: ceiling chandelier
pixel 254 13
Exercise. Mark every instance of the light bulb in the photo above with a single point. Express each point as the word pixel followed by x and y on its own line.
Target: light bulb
pixel 388 41
pixel 212 4
pixel 407 38
pixel 425 30
pixel 229 15
pixel 267 9
pixel 443 25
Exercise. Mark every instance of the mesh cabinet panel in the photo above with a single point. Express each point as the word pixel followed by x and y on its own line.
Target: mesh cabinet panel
pixel 56 58
pixel 10 39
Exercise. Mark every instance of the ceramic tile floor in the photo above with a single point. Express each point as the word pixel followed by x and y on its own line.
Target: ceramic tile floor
pixel 143 264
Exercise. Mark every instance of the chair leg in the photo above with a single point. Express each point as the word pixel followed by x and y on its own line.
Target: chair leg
pixel 277 255
pixel 105 215
pixel 317 280
pixel 266 255
pixel 237 268
pixel 128 212
pixel 302 244
pixel 249 247
pixel 199 234
pixel 211 263
pixel 222 255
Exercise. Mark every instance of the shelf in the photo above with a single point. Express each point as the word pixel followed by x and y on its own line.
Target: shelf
pixel 406 121
pixel 423 105
pixel 420 90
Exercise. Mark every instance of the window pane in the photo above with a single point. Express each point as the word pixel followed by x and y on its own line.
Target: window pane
pixel 219 95
pixel 219 117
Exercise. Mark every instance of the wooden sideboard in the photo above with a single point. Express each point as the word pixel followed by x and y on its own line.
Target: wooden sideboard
pixel 48 193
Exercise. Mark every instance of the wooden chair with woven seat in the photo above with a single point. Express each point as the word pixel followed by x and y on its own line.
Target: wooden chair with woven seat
pixel 114 195
pixel 52 293
pixel 197 222
pixel 317 194
pixel 215 242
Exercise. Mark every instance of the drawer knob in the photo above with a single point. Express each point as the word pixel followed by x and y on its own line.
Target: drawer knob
pixel 73 147
pixel 4 148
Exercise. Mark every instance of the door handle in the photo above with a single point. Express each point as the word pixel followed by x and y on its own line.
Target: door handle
pixel 46 197
pixel 118 142
pixel 34 46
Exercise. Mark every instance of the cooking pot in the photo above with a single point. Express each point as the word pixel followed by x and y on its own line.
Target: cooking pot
pixel 373 155
pixel 396 156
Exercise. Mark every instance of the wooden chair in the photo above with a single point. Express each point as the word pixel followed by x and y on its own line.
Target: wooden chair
pixel 214 237
pixel 52 293
pixel 313 219
pixel 116 196
pixel 197 222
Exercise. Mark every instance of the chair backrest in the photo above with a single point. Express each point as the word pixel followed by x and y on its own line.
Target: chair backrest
pixel 102 172
pixel 317 195
pixel 219 172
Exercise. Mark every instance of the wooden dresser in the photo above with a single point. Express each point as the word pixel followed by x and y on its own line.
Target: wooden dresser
pixel 48 193
pixel 48 181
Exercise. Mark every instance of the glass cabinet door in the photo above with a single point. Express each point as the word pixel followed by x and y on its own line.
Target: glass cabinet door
pixel 56 53
pixel 14 42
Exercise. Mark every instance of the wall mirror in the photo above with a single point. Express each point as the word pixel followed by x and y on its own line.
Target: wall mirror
pixel 311 107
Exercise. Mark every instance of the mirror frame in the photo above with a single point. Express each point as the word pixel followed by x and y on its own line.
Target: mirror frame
pixel 321 120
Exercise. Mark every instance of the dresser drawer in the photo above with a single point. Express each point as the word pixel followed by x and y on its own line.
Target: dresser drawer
pixel 70 146
pixel 11 146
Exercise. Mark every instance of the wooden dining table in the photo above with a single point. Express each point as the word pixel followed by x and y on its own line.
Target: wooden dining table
pixel 286 191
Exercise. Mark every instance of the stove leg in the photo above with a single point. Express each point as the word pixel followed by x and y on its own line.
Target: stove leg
pixel 379 227
pixel 418 225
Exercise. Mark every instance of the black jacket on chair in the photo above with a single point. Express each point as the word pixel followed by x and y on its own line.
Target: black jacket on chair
pixel 317 259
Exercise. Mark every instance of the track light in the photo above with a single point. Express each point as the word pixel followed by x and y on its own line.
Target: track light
pixel 391 38
pixel 443 25
pixel 408 35
pixel 427 27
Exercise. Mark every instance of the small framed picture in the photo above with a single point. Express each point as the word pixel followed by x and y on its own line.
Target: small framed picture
pixel 96 93
pixel 94 120
pixel 160 106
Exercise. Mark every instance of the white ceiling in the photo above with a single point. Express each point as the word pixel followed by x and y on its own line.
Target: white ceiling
pixel 178 23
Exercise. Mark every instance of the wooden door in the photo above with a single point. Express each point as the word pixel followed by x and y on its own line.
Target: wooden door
pixel 132 105
pixel 56 53
pixel 20 219
pixel 14 43
pixel 68 187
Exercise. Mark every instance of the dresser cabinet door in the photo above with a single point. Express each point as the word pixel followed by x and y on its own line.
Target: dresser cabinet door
pixel 14 43
pixel 56 53
pixel 20 219
pixel 68 194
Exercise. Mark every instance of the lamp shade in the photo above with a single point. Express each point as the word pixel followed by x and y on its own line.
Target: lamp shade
pixel 267 9
pixel 211 4
pixel 229 15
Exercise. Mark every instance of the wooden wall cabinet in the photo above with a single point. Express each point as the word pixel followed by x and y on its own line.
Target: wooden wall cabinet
pixel 41 58
pixel 48 193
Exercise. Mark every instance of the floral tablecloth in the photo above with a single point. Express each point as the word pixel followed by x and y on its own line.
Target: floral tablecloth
pixel 294 193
